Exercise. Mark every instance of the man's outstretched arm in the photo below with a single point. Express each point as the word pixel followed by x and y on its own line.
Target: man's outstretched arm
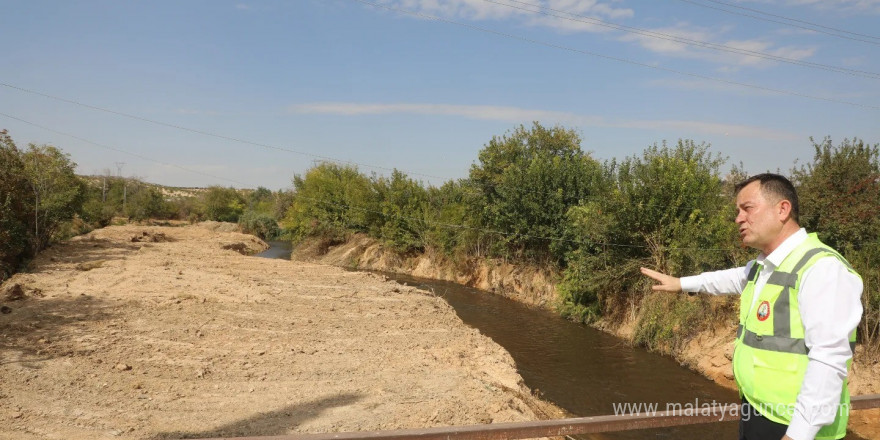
pixel 722 282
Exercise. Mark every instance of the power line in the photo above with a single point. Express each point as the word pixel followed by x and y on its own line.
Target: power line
pixel 683 40
pixel 359 208
pixel 489 184
pixel 793 19
pixel 107 147
pixel 618 59
pixel 786 23
pixel 204 133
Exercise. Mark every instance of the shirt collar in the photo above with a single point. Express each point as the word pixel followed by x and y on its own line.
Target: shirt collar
pixel 775 258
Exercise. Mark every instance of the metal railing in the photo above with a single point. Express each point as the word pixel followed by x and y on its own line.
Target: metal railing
pixel 553 428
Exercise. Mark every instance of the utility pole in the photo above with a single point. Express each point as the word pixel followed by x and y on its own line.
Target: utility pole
pixel 119 166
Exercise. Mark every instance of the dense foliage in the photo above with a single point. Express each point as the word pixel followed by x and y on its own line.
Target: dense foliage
pixel 38 192
pixel 534 196
pixel 839 195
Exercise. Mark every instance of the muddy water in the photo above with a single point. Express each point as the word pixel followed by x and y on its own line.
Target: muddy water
pixel 583 370
pixel 277 249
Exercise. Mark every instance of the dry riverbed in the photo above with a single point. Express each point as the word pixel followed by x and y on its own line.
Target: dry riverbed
pixel 170 332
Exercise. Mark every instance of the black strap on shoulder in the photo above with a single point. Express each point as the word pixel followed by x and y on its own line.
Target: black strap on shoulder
pixel 753 272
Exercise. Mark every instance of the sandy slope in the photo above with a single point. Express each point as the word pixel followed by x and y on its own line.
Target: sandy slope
pixel 171 335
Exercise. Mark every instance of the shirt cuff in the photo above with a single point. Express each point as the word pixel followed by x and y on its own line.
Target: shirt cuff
pixel 691 284
pixel 799 429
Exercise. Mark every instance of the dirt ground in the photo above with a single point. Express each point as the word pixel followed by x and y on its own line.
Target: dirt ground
pixel 137 332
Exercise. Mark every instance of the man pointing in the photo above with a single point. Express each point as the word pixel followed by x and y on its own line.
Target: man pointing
pixel 799 308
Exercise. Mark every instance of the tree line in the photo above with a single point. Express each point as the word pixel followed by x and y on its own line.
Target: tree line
pixel 535 196
pixel 42 200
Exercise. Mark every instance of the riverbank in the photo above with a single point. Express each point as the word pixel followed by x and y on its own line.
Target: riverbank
pixel 165 332
pixel 710 352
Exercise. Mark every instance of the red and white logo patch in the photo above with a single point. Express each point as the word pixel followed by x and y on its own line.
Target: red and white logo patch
pixel 763 311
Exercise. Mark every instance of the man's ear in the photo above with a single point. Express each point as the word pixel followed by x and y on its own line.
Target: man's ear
pixel 784 209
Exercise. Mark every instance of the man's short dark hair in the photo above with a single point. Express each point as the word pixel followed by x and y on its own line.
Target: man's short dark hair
pixel 777 187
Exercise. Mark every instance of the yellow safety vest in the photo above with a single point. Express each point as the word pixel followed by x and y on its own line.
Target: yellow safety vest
pixel 770 355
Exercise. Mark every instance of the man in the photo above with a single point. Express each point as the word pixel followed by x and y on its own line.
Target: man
pixel 799 308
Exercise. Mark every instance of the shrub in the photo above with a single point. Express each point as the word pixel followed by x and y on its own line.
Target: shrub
pixel 259 224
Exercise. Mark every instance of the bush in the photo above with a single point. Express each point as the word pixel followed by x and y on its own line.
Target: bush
pixel 259 224
pixel 669 210
pixel 452 231
pixel 526 182
pixel 839 193
pixel 16 208
pixel 331 200
pixel 402 202
pixel 39 193
pixel 223 204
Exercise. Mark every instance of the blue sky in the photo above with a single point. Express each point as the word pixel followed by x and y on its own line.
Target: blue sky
pixel 366 82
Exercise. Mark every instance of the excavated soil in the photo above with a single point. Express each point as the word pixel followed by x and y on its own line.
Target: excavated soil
pixel 135 332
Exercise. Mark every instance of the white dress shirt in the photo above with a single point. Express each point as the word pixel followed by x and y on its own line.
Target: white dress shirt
pixel 830 305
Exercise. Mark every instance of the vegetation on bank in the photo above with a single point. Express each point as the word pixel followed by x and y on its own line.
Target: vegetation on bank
pixel 534 196
pixel 43 200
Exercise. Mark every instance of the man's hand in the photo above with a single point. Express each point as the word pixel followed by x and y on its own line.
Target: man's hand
pixel 667 283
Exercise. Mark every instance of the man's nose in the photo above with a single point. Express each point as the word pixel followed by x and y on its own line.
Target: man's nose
pixel 740 218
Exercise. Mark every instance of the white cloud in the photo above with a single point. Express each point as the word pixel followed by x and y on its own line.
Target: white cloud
pixel 521 115
pixel 674 41
pixel 681 40
pixel 523 11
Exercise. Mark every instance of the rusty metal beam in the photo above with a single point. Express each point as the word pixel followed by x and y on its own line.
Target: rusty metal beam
pixel 551 428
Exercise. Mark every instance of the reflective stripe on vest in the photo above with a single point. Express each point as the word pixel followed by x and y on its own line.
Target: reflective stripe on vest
pixel 778 343
pixel 781 339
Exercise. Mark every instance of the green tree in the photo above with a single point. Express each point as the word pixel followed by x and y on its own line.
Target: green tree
pixel 452 229
pixel 402 202
pixel 283 200
pixel 839 192
pixel 58 192
pixel 16 207
pixel 144 201
pixel 669 209
pixel 261 200
pixel 223 204
pixel 329 201
pixel 527 181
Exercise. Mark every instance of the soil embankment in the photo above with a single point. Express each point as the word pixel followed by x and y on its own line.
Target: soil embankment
pixel 168 332
pixel 709 353
pixel 529 285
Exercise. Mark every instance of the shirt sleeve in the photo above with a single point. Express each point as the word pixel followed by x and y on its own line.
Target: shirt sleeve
pixel 721 282
pixel 830 306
